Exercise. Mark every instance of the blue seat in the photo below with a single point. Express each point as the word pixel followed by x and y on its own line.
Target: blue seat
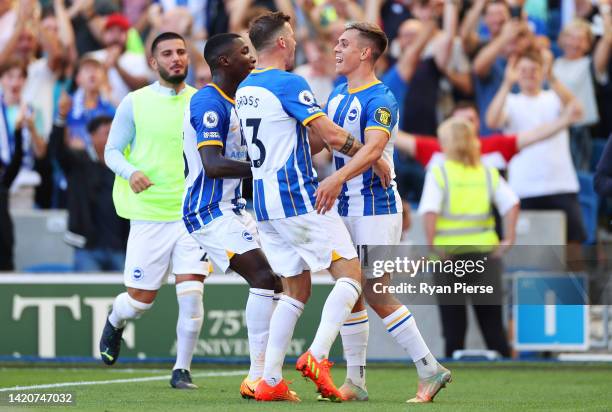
pixel 589 203
pixel 49 268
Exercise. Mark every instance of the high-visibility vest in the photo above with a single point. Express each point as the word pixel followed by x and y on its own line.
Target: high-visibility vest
pixel 158 153
pixel 466 218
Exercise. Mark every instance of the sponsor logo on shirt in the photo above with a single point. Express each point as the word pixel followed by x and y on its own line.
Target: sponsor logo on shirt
pixel 247 236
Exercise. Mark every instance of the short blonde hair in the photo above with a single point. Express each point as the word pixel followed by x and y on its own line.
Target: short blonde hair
pixel 580 24
pixel 459 141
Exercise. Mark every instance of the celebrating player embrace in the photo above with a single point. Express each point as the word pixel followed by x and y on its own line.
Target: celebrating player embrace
pixel 213 207
pixel 275 108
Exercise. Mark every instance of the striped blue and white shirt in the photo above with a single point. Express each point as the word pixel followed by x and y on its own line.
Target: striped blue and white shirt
pixel 274 108
pixel 371 106
pixel 210 119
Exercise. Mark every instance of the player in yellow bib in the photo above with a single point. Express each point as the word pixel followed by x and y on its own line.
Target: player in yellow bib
pixel 145 150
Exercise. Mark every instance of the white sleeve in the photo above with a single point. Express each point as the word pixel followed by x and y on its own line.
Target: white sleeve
pixel 504 198
pixel 122 133
pixel 432 197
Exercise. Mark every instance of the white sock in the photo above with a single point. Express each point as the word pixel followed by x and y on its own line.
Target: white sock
pixel 191 316
pixel 259 308
pixel 402 326
pixel 355 332
pixel 125 308
pixel 282 324
pixel 277 297
pixel 337 307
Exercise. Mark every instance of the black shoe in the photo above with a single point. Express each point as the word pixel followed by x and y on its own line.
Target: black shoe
pixel 181 379
pixel 110 343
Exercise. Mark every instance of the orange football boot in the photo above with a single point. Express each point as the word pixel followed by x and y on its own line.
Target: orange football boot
pixel 247 388
pixel 319 373
pixel 279 392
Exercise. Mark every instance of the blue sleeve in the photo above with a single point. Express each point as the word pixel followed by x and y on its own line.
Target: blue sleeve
pixel 298 100
pixel 209 119
pixel 381 113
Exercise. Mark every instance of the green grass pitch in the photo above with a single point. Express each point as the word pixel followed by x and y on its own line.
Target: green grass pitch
pixel 475 387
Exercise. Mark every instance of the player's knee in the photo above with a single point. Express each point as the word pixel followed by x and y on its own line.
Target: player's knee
pixel 303 295
pixel 263 279
pixel 131 307
pixel 142 295
pixel 191 307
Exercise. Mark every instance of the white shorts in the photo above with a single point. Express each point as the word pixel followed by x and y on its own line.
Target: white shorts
pixel 305 242
pixel 152 246
pixel 227 235
pixel 371 234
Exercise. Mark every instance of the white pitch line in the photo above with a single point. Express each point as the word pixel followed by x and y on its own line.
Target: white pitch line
pixel 108 382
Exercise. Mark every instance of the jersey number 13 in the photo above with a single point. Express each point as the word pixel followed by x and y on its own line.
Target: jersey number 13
pixel 254 124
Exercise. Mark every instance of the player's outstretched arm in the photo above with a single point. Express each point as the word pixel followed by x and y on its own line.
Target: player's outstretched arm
pixel 218 166
pixel 366 157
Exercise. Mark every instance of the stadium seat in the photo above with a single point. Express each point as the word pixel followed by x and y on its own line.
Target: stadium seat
pixel 49 268
pixel 589 203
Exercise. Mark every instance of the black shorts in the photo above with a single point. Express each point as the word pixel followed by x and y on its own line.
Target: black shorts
pixel 566 202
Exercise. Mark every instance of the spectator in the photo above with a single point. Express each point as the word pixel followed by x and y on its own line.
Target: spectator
pixel 196 9
pixel 603 174
pixel 578 71
pixel 16 114
pixel 8 172
pixel 412 38
pixel 126 70
pixel 18 37
pixel 203 76
pixel 49 75
pixel 319 69
pixel 494 13
pixel 543 174
pixel 490 62
pixel 98 235
pixel 89 100
pixel 459 225
pixel 421 99
pixel 390 14
pixel 8 22
pixel 496 150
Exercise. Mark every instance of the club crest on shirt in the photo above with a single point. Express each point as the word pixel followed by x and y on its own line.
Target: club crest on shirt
pixel 306 97
pixel 247 236
pixel 138 273
pixel 383 116
pixel 352 115
pixel 210 119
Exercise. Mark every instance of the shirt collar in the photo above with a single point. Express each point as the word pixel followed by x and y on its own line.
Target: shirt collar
pixel 167 91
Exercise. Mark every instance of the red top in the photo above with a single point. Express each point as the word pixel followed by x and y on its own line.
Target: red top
pixel 505 145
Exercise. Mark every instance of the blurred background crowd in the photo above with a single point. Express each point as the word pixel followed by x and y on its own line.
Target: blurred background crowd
pixel 508 66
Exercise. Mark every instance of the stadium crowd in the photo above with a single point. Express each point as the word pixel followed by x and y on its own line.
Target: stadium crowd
pixel 508 66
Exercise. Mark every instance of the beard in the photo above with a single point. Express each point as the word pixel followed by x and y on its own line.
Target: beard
pixel 173 78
